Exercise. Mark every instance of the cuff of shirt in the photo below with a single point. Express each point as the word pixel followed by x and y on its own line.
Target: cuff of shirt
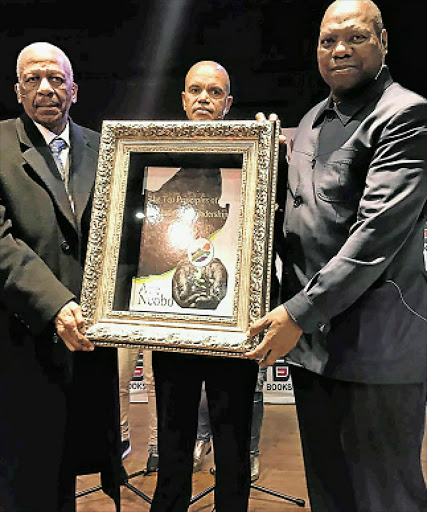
pixel 304 313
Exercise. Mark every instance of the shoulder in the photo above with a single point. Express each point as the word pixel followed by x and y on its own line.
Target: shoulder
pixel 397 100
pixel 8 126
pixel 402 95
pixel 8 135
pixel 90 137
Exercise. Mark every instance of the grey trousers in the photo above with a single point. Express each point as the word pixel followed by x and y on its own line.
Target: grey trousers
pixel 127 360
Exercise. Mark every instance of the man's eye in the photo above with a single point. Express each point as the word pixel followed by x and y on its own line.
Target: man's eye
pixel 31 80
pixel 358 38
pixel 216 93
pixel 194 90
pixel 56 81
pixel 326 42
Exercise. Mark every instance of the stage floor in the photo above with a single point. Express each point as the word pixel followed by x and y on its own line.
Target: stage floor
pixel 280 462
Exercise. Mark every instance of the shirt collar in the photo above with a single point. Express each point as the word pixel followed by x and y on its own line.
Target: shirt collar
pixel 49 136
pixel 348 108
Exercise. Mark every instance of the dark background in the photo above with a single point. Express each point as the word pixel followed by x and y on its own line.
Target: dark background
pixel 130 57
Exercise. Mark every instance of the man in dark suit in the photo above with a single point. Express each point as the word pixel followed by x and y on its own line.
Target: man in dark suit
pixel 229 382
pixel 356 289
pixel 58 396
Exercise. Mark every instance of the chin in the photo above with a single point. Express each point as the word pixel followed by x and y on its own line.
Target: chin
pixel 48 119
pixel 203 117
pixel 51 124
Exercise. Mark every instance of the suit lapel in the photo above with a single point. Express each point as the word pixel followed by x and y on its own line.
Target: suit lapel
pixel 38 156
pixel 83 168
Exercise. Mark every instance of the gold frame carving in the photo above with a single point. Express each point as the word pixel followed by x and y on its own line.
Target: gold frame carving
pixel 200 334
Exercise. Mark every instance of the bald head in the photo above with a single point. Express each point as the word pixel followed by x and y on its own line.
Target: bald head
pixel 207 92
pixel 43 50
pixel 346 7
pixel 209 67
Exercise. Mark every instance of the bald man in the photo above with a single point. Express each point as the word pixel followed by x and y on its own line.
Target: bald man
pixel 56 420
pixel 229 382
pixel 207 92
pixel 354 320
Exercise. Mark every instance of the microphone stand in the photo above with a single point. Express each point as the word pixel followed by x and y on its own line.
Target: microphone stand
pixel 124 483
pixel 297 501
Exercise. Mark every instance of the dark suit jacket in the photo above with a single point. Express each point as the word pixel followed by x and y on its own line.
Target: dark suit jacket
pixel 42 250
pixel 354 228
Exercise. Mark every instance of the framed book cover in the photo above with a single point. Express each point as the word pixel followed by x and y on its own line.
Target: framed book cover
pixel 180 244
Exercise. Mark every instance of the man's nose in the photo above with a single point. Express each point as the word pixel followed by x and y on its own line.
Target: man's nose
pixel 203 96
pixel 45 87
pixel 342 49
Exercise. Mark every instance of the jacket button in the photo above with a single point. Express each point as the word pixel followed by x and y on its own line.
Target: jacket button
pixel 297 201
pixel 65 246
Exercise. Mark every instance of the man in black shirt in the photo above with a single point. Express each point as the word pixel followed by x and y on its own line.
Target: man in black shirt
pixel 354 319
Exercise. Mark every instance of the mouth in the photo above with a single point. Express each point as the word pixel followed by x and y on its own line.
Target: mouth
pixel 343 67
pixel 53 105
pixel 46 103
pixel 48 110
pixel 202 110
pixel 202 114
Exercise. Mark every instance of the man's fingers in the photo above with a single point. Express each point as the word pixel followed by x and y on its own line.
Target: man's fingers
pixel 266 353
pixel 70 325
pixel 73 338
pixel 260 351
pixel 84 343
pixel 269 358
pixel 79 319
pixel 75 316
pixel 260 117
pixel 258 327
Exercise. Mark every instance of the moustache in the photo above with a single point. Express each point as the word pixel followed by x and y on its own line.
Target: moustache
pixel 45 104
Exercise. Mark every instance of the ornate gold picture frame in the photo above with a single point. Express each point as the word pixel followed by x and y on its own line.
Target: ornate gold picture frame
pixel 180 243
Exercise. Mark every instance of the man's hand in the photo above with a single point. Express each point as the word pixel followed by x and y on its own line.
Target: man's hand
pixel 70 325
pixel 260 117
pixel 281 337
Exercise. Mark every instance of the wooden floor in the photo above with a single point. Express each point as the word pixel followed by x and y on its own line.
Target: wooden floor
pixel 280 461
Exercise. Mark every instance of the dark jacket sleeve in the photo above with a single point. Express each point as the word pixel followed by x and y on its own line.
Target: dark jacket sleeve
pixel 392 203
pixel 29 289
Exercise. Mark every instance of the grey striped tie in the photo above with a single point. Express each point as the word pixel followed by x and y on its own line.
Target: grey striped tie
pixel 56 146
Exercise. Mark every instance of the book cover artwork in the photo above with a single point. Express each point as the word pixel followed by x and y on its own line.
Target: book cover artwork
pixel 189 241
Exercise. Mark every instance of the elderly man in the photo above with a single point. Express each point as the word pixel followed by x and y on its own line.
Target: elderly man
pixel 357 291
pixel 229 383
pixel 56 421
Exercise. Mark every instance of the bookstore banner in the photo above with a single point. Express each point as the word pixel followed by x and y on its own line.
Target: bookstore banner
pixel 277 388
